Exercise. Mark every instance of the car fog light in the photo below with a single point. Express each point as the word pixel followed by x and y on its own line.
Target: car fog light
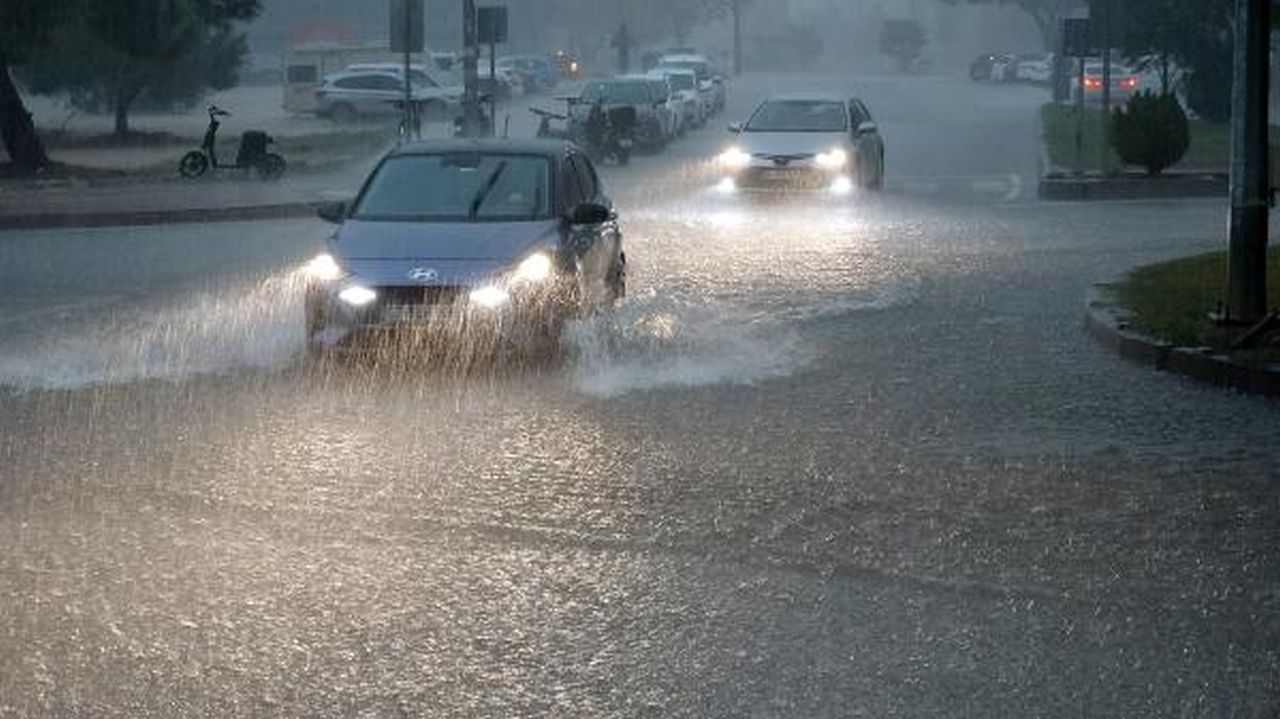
pixel 490 297
pixel 357 296
pixel 842 186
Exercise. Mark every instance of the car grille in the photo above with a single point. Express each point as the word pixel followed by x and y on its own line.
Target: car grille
pixel 416 296
pixel 784 178
pixel 783 160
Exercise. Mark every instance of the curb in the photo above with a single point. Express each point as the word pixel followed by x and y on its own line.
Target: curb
pixel 52 220
pixel 1107 322
pixel 1057 187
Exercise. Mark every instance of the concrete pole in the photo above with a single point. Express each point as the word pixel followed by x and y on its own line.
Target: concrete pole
pixel 736 9
pixel 1247 255
pixel 1104 150
pixel 470 70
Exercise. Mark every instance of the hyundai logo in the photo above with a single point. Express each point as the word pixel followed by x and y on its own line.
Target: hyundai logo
pixel 423 274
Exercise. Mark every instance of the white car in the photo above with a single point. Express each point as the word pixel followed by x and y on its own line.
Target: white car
pixel 374 89
pixel 710 85
pixel 805 142
pixel 684 84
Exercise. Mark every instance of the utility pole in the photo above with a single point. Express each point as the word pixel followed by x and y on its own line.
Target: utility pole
pixel 1246 300
pixel 470 70
pixel 736 9
pixel 1104 36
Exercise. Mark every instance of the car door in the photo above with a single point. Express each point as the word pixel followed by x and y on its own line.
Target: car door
pixel 867 144
pixel 597 246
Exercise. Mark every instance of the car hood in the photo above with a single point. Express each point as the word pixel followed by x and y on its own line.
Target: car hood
pixel 791 143
pixel 455 252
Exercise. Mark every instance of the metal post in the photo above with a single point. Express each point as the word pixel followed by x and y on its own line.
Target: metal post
pixel 1104 146
pixel 1080 116
pixel 470 73
pixel 408 96
pixel 1247 256
pixel 493 88
pixel 737 37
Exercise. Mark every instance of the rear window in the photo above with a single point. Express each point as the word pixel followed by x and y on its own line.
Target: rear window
pixel 617 93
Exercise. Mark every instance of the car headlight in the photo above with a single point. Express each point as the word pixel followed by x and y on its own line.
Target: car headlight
pixel 734 158
pixel 357 296
pixel 834 160
pixel 535 268
pixel 324 268
pixel 490 297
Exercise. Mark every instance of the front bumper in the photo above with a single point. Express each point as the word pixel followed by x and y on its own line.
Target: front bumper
pixel 794 178
pixel 437 313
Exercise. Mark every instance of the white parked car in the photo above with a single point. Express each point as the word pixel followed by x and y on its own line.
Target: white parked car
pixel 373 92
pixel 684 84
pixel 710 84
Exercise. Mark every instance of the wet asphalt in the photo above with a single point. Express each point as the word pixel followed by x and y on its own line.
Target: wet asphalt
pixel 831 458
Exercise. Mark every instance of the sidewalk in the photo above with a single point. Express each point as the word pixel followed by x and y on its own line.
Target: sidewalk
pixel 219 198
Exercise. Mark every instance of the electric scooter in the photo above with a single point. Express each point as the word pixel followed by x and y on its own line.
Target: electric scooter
pixel 253 154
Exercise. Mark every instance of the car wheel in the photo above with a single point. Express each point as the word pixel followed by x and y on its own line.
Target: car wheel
pixel 618 279
pixel 193 164
pixel 343 114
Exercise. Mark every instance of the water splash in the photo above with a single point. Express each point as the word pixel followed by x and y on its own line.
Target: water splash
pixel 249 325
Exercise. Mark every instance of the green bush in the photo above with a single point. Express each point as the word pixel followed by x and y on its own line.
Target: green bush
pixel 1152 131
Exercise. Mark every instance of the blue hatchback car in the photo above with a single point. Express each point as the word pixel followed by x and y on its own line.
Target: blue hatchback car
pixel 505 237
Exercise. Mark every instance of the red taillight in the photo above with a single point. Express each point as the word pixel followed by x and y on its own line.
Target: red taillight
pixel 1092 83
pixel 1129 83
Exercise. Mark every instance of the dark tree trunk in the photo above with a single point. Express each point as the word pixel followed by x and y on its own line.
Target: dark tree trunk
pixel 16 128
pixel 124 101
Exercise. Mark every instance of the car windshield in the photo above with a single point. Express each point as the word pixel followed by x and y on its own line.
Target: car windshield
pixel 700 69
pixel 799 116
pixel 455 187
pixel 617 93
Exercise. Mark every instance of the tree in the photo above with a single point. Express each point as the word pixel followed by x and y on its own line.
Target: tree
pixel 1195 34
pixel 24 27
pixel 902 40
pixel 1151 131
pixel 1046 14
pixel 115 52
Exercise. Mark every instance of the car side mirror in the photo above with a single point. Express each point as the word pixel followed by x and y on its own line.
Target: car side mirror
pixel 736 128
pixel 867 127
pixel 334 212
pixel 590 213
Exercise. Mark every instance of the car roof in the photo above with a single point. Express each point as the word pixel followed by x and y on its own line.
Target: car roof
pixel 521 146
pixel 681 57
pixel 371 71
pixel 808 97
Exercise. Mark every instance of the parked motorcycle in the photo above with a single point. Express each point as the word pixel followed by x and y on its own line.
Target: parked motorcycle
pixel 253 154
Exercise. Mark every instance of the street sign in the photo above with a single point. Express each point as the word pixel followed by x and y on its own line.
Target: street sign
pixel 407 26
pixel 1078 38
pixel 492 24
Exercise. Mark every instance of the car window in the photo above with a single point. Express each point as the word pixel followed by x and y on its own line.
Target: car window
pixel 570 185
pixel 799 116
pixel 385 82
pixel 857 113
pixel 350 83
pixel 586 175
pixel 447 186
pixel 681 81
pixel 617 93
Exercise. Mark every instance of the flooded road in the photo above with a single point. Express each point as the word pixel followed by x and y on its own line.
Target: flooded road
pixel 829 459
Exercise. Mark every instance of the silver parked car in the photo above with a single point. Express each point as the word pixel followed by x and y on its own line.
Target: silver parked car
pixel 806 142
pixel 348 96
pixel 506 238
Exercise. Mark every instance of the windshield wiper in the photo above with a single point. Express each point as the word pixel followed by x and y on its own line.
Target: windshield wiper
pixel 484 191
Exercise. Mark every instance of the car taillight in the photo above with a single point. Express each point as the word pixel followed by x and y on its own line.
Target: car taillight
pixel 1129 83
pixel 1092 83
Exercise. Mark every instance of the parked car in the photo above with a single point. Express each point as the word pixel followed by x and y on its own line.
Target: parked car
pixel 993 67
pixel 1125 83
pixel 652 126
pixel 348 96
pixel 496 237
pixel 710 83
pixel 538 71
pixel 684 84
pixel 666 104
pixel 805 142
pixel 1035 68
